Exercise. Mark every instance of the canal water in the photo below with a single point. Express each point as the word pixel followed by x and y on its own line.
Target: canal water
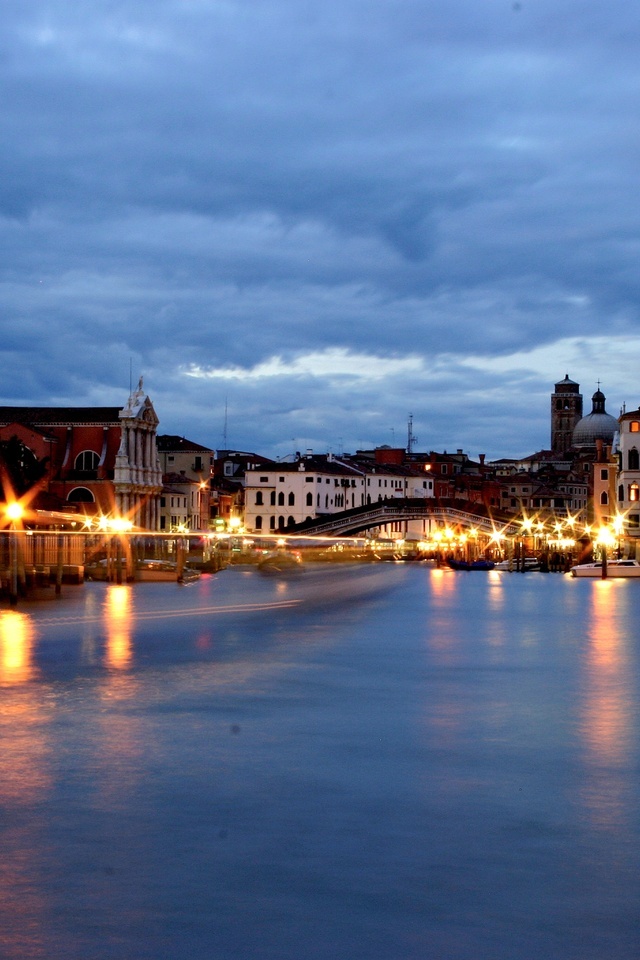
pixel 383 762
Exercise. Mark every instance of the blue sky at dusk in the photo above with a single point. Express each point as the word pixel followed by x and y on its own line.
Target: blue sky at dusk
pixel 322 217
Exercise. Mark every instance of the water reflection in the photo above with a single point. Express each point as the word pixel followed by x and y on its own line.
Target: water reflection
pixel 606 721
pixel 16 648
pixel 118 615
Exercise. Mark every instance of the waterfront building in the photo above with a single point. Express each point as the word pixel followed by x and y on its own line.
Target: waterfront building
pixel 93 460
pixel 187 470
pixel 628 479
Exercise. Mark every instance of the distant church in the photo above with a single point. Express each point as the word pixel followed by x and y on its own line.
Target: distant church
pixel 570 430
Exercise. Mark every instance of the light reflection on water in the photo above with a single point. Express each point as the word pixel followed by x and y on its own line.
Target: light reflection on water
pixel 368 763
pixel 609 710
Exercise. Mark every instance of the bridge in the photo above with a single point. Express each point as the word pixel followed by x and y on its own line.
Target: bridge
pixel 349 522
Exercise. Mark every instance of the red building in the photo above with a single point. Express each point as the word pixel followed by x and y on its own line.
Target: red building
pixel 98 461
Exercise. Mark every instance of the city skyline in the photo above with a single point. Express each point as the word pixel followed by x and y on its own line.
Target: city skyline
pixel 304 224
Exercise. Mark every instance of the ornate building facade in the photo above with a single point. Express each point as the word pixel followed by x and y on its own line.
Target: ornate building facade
pixel 96 461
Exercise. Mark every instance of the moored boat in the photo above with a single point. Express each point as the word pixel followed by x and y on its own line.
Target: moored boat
pixel 471 564
pixel 614 568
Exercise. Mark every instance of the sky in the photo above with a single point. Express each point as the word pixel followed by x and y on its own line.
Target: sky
pixel 302 223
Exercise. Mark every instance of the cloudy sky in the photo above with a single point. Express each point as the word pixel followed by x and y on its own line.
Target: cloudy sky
pixel 302 222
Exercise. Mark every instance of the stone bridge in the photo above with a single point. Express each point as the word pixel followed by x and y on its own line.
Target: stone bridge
pixel 350 522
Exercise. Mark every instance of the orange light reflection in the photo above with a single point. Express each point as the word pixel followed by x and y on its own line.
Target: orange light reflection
pixel 16 648
pixel 118 615
pixel 606 716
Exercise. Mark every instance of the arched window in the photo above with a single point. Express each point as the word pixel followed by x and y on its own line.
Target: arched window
pixel 81 495
pixel 281 499
pixel 634 459
pixel 291 521
pixel 272 523
pixel 292 499
pixel 258 523
pixel 272 499
pixel 87 461
pixel 634 491
pixel 309 499
pixel 604 498
pixel 621 493
pixel 280 523
pixel 259 500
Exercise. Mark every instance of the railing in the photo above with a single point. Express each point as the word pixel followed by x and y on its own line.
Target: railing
pixel 382 512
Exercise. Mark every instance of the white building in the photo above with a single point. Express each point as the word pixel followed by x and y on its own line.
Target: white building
pixel 629 472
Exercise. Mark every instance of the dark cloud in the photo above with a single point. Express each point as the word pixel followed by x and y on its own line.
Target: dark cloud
pixel 216 183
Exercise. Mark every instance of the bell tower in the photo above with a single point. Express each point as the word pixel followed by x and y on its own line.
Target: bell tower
pixel 566 410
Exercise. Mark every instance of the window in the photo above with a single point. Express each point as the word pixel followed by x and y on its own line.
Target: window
pixel 281 499
pixel 634 492
pixel 308 479
pixel 259 500
pixel 272 498
pixel 604 498
pixel 258 523
pixel 280 479
pixel 264 479
pixel 634 459
pixel 621 493
pixel 197 466
pixel 80 495
pixel 604 474
pixel 291 499
pixel 272 523
pixel 309 499
pixel 87 461
pixel 634 426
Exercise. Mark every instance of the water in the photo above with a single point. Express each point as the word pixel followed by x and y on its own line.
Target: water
pixel 375 763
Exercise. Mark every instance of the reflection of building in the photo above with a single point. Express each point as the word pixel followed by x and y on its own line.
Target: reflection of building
pixel 100 460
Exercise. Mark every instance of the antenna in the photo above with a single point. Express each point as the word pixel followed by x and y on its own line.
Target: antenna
pixel 224 429
pixel 130 376
pixel 411 439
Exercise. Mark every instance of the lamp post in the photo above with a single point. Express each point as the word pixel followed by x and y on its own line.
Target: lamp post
pixel 14 514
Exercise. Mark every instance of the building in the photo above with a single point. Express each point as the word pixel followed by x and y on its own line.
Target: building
pixel 566 411
pixel 96 461
pixel 628 479
pixel 187 470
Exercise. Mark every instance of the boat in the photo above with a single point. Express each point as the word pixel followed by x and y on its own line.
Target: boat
pixel 530 563
pixel 164 570
pixel 471 564
pixel 281 563
pixel 145 570
pixel 614 568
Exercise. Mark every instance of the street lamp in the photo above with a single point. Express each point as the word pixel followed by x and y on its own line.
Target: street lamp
pixel 14 513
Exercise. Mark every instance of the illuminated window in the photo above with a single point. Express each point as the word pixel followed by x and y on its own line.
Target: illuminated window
pixel 634 492
pixel 634 426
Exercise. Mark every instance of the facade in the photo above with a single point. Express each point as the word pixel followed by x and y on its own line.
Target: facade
pixel 187 470
pixel 628 479
pixel 96 461
pixel 285 494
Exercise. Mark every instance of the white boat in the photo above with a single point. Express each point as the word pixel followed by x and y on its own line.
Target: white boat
pixel 614 568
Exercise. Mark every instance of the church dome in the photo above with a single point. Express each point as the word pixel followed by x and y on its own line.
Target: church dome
pixel 597 425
